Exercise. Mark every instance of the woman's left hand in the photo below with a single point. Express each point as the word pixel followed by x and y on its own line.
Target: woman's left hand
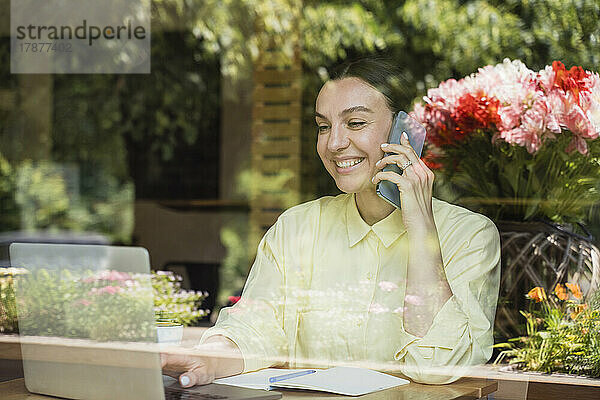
pixel 415 184
pixel 425 276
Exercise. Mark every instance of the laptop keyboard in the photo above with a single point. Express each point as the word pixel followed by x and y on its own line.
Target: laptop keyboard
pixel 183 394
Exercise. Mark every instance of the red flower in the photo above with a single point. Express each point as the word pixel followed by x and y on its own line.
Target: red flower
pixel 429 160
pixel 475 112
pixel 572 81
pixel 440 126
pixel 432 157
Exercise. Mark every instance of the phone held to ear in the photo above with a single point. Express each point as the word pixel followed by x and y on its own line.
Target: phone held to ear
pixel 416 136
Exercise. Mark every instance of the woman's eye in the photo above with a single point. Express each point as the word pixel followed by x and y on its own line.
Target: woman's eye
pixel 356 124
pixel 323 128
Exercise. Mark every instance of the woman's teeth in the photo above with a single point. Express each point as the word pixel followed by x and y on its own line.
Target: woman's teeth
pixel 348 163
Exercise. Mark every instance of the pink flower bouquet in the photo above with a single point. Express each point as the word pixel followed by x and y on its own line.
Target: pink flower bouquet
pixel 517 144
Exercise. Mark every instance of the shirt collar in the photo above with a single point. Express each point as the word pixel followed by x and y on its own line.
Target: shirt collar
pixel 387 230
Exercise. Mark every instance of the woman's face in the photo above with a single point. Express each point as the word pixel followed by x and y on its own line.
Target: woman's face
pixel 353 121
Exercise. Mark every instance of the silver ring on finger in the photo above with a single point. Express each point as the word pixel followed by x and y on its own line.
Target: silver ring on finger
pixel 405 165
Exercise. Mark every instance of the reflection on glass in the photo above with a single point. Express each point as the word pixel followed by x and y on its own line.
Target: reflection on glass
pixel 86 292
pixel 109 305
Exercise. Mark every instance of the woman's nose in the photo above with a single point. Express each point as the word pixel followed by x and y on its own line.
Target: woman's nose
pixel 338 139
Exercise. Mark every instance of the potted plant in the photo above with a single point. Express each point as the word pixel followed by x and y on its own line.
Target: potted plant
pixel 168 328
pixel 522 148
pixel 559 355
pixel 563 334
pixel 81 300
pixel 516 144
pixel 174 306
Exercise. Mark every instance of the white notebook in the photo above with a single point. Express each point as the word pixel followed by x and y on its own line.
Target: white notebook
pixel 341 380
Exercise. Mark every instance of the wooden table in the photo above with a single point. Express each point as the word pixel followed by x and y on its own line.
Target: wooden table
pixel 538 386
pixel 466 388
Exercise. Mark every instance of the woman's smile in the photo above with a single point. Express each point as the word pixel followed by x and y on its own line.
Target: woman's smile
pixel 347 166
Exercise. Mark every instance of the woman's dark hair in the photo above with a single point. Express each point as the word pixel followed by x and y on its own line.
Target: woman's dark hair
pixel 380 73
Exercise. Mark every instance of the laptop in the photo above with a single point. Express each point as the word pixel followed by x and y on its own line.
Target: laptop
pixel 82 337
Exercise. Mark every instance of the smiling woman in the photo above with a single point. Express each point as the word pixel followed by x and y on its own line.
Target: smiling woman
pixel 351 278
pixel 350 136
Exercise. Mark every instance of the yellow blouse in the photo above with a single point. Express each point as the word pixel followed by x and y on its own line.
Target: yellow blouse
pixel 326 288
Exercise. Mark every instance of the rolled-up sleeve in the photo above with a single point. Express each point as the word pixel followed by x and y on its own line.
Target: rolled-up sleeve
pixel 461 334
pixel 255 322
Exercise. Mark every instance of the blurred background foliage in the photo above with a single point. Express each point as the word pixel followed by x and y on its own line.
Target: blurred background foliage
pixel 101 122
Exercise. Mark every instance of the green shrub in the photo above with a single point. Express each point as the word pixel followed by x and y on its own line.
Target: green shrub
pixel 563 335
pixel 174 303
pixel 62 303
pixel 8 307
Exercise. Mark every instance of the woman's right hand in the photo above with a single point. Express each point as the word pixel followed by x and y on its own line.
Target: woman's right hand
pixel 193 369
pixel 188 369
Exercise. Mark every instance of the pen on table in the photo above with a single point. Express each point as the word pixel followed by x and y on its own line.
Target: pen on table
pixel 292 375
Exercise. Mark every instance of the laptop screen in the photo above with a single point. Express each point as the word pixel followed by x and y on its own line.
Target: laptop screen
pixel 86 321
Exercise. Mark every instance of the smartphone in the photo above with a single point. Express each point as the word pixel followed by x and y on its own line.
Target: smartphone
pixel 416 136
